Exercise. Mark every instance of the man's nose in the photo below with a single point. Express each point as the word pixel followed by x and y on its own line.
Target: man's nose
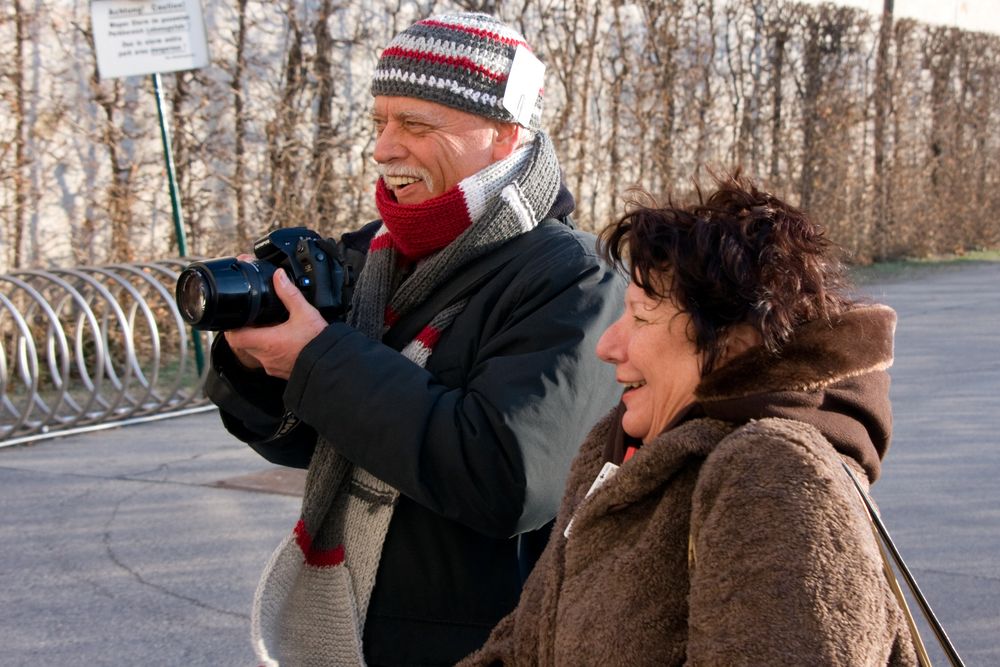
pixel 387 147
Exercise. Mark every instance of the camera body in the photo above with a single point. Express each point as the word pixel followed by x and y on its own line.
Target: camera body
pixel 228 293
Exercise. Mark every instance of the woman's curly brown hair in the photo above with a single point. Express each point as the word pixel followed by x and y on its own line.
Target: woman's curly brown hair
pixel 741 255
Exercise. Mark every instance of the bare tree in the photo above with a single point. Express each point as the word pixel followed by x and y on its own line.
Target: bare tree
pixel 744 69
pixel 238 182
pixel 119 195
pixel 881 95
pixel 705 53
pixel 779 39
pixel 180 139
pixel 276 132
pixel 323 156
pixel 20 135
pixel 940 55
pixel 659 92
pixel 284 149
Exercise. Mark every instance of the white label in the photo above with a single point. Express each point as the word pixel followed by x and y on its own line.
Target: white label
pixel 607 472
pixel 524 84
pixel 137 37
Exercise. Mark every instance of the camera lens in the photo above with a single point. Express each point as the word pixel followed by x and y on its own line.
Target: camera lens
pixel 227 293
pixel 192 296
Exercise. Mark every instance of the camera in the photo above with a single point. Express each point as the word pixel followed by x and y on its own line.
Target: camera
pixel 227 293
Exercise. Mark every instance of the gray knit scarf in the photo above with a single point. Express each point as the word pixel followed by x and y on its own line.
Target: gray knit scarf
pixel 312 599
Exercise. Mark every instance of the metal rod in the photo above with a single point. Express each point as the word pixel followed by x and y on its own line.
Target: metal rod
pixel 925 606
pixel 175 204
pixel 104 425
pixel 90 346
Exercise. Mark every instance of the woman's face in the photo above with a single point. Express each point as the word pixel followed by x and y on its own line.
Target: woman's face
pixel 655 359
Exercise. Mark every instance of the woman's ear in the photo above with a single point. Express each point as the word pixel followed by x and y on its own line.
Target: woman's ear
pixel 739 339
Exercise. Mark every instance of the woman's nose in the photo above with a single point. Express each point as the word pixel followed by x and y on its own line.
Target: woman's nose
pixel 609 347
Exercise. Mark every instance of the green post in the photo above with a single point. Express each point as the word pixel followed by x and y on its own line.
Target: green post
pixel 168 154
pixel 175 206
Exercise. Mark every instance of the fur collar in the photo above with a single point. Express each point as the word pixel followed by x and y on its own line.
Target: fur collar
pixel 821 354
pixel 831 375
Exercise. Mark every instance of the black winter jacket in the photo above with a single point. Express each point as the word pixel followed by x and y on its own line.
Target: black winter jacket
pixel 478 443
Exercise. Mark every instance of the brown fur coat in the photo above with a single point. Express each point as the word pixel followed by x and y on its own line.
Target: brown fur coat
pixel 738 542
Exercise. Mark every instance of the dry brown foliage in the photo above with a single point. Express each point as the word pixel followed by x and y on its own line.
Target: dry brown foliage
pixel 887 131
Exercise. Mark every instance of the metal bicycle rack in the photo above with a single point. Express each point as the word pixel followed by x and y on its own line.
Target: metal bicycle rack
pixel 91 347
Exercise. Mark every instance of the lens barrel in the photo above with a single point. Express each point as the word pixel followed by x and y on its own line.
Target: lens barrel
pixel 227 293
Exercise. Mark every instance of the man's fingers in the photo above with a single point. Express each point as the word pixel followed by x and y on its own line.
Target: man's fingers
pixel 235 340
pixel 276 347
pixel 289 294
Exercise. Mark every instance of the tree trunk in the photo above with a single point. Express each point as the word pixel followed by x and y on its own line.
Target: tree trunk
pixel 813 72
pixel 777 83
pixel 20 139
pixel 882 93
pixel 283 150
pixel 240 126
pixel 323 157
pixel 119 194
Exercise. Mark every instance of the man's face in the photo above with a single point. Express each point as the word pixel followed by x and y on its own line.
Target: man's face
pixel 424 149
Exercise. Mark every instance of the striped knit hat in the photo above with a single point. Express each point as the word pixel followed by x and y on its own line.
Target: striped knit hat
pixel 459 60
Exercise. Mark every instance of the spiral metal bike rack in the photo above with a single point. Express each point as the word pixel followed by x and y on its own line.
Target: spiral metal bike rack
pixel 93 347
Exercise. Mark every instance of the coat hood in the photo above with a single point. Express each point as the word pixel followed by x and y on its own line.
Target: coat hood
pixel 832 375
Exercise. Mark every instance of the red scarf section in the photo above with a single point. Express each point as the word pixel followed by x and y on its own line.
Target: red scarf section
pixel 418 230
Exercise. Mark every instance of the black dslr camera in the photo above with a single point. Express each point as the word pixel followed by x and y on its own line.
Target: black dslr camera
pixel 226 293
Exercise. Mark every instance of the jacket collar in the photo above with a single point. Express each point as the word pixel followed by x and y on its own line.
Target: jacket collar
pixel 653 467
pixel 831 375
pixel 820 354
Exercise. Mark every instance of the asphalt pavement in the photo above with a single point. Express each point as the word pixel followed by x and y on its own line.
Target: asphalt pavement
pixel 141 545
pixel 940 488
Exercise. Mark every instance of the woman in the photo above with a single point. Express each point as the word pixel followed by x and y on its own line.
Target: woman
pixel 729 532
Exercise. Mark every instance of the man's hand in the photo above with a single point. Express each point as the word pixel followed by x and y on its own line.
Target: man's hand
pixel 275 348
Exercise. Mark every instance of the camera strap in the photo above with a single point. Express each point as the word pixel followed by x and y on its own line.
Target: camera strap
pixel 461 285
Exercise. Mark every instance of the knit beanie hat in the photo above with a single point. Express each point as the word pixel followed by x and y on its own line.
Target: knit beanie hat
pixel 462 61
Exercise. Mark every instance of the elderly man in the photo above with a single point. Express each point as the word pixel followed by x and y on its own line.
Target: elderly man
pixel 437 442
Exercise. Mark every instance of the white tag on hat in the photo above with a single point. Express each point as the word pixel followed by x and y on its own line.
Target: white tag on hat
pixel 524 83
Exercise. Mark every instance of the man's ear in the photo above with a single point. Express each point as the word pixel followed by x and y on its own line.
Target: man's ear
pixel 506 139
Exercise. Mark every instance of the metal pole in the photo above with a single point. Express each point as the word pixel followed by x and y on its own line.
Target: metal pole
pixel 175 206
pixel 168 154
pixel 925 607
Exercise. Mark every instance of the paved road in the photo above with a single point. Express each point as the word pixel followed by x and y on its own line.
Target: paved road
pixel 117 547
pixel 940 491
pixel 122 548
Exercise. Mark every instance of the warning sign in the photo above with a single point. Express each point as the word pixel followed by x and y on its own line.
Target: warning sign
pixel 136 37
